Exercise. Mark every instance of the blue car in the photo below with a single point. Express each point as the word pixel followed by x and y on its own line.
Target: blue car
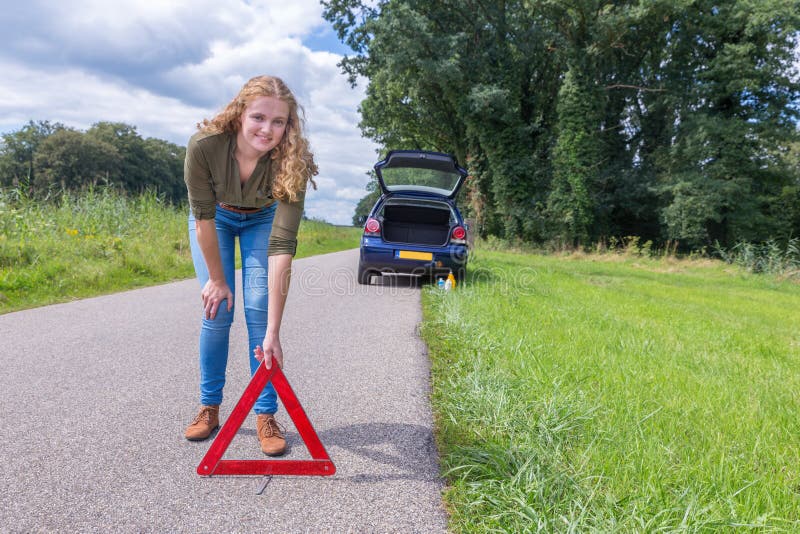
pixel 415 227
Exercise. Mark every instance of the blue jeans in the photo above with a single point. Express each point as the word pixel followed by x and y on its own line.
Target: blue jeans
pixel 253 231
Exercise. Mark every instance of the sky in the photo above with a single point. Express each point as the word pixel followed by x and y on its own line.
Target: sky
pixel 164 65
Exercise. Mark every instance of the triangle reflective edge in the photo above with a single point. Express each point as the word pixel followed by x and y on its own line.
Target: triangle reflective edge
pixel 320 464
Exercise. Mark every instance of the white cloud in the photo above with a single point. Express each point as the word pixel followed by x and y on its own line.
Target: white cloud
pixel 79 99
pixel 164 66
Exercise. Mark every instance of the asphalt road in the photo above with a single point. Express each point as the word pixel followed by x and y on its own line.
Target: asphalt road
pixel 96 394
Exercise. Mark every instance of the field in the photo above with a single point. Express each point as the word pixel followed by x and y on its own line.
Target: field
pixel 77 246
pixel 610 393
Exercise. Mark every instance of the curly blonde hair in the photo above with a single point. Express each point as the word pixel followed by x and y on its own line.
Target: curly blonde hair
pixel 296 166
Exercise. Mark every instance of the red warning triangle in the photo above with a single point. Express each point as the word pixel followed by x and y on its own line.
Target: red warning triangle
pixel 320 464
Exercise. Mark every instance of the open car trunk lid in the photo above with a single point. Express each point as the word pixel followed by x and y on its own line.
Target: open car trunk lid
pixel 419 171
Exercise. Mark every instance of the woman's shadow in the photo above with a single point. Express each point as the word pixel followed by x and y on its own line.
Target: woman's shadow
pixel 405 451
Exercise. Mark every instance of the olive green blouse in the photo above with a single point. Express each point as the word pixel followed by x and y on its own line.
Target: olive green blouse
pixel 211 174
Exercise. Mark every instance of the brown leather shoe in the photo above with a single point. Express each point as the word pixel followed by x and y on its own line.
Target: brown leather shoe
pixel 270 435
pixel 204 424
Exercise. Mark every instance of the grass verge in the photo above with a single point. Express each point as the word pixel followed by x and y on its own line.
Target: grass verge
pixel 101 241
pixel 616 394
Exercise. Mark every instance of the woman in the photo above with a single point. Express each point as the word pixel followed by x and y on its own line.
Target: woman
pixel 246 172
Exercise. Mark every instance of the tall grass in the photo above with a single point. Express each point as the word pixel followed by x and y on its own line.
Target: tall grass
pixel 99 241
pixel 769 257
pixel 616 394
pixel 77 245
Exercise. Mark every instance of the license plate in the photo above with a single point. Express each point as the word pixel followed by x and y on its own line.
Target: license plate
pixel 414 255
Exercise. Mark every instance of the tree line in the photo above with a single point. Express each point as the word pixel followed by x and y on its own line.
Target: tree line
pixel 581 120
pixel 43 156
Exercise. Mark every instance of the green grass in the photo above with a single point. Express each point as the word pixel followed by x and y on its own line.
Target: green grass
pixel 101 241
pixel 616 393
pixel 317 237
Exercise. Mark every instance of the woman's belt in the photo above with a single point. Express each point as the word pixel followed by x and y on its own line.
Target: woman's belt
pixel 238 209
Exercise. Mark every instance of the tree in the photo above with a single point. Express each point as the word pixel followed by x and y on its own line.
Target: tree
pixel 458 77
pixel 733 65
pixel 70 159
pixel 576 160
pixel 18 150
pixel 788 203
pixel 366 203
pixel 44 155
pixel 145 164
pixel 133 172
pixel 580 120
pixel 165 168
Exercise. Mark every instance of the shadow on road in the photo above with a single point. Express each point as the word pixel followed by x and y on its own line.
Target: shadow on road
pixel 396 280
pixel 408 449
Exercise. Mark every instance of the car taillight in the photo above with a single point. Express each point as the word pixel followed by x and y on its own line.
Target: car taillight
pixel 373 227
pixel 458 235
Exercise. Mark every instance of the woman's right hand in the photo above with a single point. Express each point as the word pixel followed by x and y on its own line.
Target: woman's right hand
pixel 214 292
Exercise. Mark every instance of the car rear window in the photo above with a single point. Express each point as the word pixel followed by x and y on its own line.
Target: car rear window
pixel 414 179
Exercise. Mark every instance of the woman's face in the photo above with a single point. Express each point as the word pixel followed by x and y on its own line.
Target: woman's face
pixel 263 124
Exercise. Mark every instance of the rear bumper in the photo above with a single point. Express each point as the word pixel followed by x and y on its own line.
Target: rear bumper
pixel 385 258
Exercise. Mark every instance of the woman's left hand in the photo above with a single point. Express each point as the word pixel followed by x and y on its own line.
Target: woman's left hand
pixel 272 347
